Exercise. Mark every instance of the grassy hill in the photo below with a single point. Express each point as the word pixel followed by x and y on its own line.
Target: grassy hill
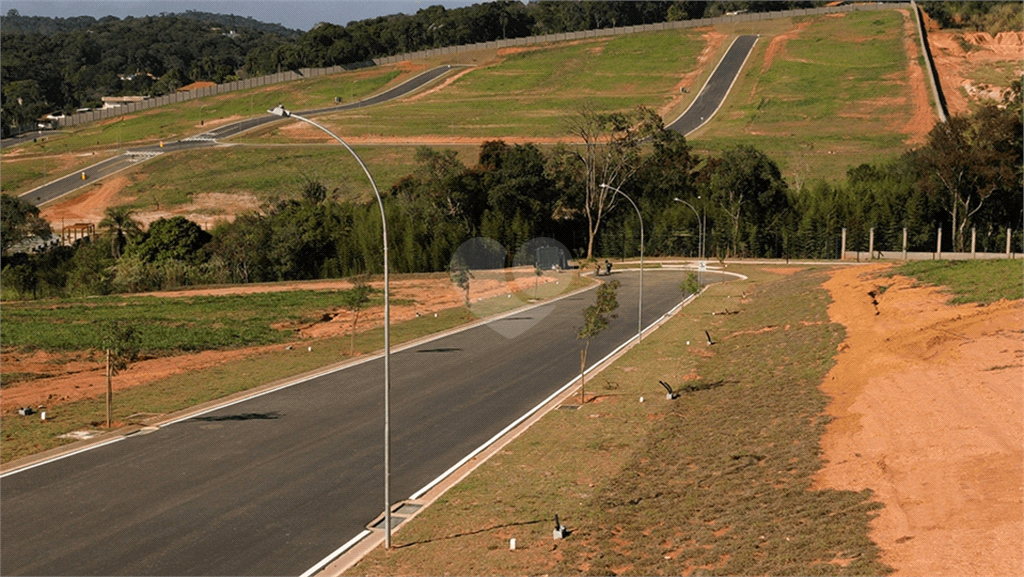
pixel 828 93
pixel 818 94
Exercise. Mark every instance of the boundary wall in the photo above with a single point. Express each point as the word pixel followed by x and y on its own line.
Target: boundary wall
pixel 302 73
pixel 875 253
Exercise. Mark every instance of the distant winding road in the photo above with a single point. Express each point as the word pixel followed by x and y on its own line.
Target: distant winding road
pixel 717 87
pixel 62 186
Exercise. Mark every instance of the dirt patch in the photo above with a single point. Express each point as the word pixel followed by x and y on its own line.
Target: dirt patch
pixel 960 59
pixel 517 50
pixel 927 406
pixel 447 82
pixel 206 208
pixel 88 206
pixel 923 118
pixel 779 43
pixel 783 271
pixel 80 375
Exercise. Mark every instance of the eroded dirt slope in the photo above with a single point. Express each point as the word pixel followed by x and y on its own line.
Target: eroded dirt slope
pixel 927 401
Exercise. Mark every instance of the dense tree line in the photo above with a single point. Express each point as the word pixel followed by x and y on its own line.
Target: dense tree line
pixel 967 175
pixel 991 17
pixel 63 64
pixel 66 70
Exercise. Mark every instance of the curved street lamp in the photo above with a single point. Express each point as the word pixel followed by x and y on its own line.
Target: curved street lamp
pixel 281 111
pixel 700 241
pixel 640 307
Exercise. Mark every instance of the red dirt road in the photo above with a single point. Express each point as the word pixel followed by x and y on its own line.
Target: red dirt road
pixel 927 402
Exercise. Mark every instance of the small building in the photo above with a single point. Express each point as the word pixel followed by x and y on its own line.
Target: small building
pixel 74 232
pixel 118 101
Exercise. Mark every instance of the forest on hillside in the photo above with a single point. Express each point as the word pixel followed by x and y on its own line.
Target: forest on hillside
pixel 968 176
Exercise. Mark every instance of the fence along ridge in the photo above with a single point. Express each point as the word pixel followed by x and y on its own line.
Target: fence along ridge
pixel 302 73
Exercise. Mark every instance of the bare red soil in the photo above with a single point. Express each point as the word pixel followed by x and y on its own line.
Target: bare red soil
pixel 927 403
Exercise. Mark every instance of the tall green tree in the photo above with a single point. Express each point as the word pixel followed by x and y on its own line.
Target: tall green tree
pixel 120 225
pixel 20 220
pixel 748 188
pixel 968 160
pixel 610 154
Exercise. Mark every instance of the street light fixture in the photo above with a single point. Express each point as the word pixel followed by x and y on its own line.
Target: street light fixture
pixel 279 110
pixel 701 224
pixel 640 307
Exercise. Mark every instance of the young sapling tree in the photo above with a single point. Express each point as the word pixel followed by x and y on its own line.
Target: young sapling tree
pixel 595 320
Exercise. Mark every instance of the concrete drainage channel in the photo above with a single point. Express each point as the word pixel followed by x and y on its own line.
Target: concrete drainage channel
pixel 346 556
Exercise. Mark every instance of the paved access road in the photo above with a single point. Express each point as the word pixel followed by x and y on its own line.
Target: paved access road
pixel 717 87
pixel 70 183
pixel 273 485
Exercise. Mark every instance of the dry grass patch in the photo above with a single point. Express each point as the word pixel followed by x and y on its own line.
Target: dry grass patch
pixel 717 481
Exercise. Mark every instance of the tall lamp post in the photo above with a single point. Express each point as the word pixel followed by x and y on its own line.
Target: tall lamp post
pixel 701 223
pixel 640 307
pixel 280 111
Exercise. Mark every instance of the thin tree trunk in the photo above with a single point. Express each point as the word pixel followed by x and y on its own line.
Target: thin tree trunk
pixel 352 338
pixel 583 380
pixel 110 389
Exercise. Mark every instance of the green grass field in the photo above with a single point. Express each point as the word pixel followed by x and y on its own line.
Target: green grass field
pixel 165 325
pixel 23 174
pixel 23 166
pixel 970 281
pixel 271 172
pixel 528 94
pixel 718 481
pixel 836 96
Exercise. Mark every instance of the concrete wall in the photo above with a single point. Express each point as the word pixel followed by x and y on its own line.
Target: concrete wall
pixel 864 256
pixel 76 119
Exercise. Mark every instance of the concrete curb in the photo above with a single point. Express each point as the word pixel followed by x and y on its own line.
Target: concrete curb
pixel 154 423
pixel 352 552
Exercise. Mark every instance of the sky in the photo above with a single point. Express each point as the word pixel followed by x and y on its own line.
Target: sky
pixel 296 14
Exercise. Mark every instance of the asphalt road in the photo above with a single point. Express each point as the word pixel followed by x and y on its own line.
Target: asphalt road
pixel 60 187
pixel 717 87
pixel 273 485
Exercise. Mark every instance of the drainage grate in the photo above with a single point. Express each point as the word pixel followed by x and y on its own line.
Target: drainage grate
pixel 395 521
pixel 407 509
